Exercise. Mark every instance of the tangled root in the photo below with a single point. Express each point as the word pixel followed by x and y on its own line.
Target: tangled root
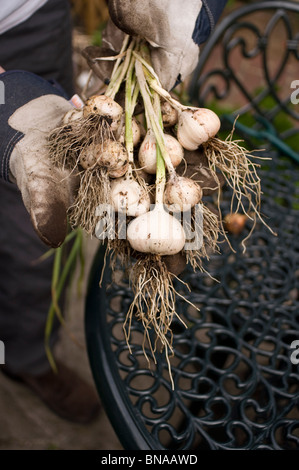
pixel 240 173
pixel 206 229
pixel 69 140
pixel 119 250
pixel 153 304
pixel 91 200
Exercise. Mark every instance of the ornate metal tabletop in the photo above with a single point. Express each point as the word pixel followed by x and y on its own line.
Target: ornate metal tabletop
pixel 235 384
pixel 236 377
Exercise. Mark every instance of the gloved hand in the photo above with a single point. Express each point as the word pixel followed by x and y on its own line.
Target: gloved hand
pixel 174 29
pixel 33 107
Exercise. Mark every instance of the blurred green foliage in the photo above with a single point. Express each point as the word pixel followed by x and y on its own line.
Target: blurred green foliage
pixel 96 38
pixel 281 121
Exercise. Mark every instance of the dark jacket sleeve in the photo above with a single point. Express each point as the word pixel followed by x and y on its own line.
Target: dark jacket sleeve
pixel 207 19
pixel 18 88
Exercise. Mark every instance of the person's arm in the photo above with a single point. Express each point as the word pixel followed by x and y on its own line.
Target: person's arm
pixel 33 107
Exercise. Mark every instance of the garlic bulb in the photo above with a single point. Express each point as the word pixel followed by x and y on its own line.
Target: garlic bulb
pixel 109 154
pixel 72 115
pixel 156 232
pixel 113 154
pixel 104 106
pixel 118 172
pixel 147 156
pixel 181 194
pixel 196 127
pixel 119 133
pixel 128 197
pixel 136 129
pixel 175 150
pixel 147 153
pixel 90 156
pixel 169 114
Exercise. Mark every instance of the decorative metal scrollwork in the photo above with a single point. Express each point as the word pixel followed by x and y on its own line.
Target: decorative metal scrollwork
pixel 235 385
pixel 242 43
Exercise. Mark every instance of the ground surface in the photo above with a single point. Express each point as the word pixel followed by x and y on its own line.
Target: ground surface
pixel 26 423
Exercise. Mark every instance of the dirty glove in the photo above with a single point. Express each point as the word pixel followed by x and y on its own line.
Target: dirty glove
pixel 174 29
pixel 33 107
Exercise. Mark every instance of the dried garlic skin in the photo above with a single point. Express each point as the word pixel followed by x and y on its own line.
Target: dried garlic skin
pixel 197 127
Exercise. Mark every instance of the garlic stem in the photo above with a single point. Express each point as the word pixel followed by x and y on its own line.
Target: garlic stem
pixel 129 112
pixel 160 178
pixel 113 80
pixel 146 64
pixel 135 95
pixel 114 86
pixel 160 169
pixel 154 82
pixel 152 120
pixel 165 155
pixel 123 48
pixel 152 116
pixel 145 59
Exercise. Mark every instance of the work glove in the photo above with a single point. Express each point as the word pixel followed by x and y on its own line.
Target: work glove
pixel 34 107
pixel 173 28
